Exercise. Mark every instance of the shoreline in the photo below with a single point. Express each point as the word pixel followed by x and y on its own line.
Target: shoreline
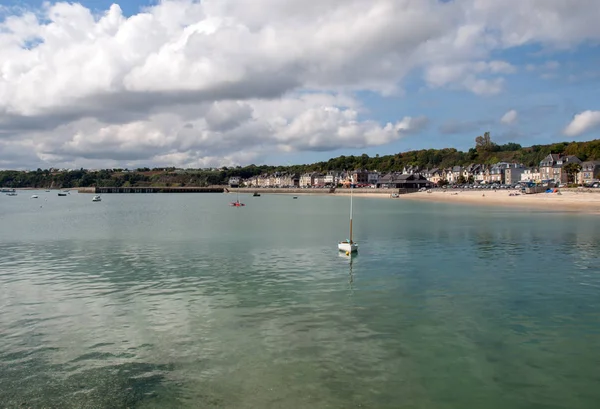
pixel 581 201
pixel 569 201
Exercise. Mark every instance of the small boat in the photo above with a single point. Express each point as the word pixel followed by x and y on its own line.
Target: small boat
pixel 11 194
pixel 34 196
pixel 47 191
pixel 237 201
pixel 295 197
pixel 62 194
pixel 256 194
pixel 96 198
pixel 348 246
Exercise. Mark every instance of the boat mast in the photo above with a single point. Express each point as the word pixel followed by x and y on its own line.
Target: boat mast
pixel 351 188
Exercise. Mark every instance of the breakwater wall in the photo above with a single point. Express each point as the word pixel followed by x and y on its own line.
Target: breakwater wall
pixel 108 190
pixel 535 189
pixel 226 189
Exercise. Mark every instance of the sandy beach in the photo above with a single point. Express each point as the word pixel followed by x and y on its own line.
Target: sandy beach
pixel 568 201
pixel 580 201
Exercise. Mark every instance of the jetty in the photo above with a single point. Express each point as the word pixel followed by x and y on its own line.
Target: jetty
pixel 191 189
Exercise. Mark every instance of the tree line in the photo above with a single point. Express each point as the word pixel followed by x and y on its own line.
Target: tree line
pixel 484 152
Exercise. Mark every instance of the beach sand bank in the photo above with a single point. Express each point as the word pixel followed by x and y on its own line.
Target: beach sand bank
pixel 582 201
pixel 567 201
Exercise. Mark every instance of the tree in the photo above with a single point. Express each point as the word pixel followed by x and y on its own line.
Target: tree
pixel 510 147
pixel 572 170
pixel 461 180
pixel 483 143
pixel 558 147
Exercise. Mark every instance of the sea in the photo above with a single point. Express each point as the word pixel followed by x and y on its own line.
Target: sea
pixel 181 301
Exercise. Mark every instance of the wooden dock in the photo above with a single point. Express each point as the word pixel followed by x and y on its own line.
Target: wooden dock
pixel 107 190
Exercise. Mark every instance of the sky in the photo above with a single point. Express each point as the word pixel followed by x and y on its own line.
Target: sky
pixel 214 83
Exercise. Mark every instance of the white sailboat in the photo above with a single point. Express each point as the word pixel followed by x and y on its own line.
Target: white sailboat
pixel 349 246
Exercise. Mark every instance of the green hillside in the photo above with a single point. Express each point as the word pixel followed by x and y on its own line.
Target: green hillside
pixel 485 152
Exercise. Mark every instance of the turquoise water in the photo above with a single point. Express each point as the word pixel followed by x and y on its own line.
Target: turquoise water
pixel 176 301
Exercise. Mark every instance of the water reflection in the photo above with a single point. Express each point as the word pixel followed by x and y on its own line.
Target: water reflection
pixel 438 310
pixel 349 258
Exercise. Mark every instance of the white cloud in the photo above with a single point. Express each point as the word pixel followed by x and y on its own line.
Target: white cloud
pixel 226 133
pixel 466 76
pixel 582 123
pixel 194 81
pixel 510 117
pixel 554 23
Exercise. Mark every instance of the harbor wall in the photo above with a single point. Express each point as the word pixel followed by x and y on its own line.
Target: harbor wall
pixel 110 190
pixel 86 190
pixel 225 189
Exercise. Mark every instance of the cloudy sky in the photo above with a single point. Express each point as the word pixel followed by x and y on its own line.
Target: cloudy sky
pixel 223 82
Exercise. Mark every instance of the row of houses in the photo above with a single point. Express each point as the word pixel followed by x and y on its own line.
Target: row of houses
pixel 551 167
pixel 312 179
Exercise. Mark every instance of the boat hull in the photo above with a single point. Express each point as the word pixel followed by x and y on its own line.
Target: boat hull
pixel 348 247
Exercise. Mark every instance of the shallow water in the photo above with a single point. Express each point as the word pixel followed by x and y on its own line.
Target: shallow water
pixel 159 301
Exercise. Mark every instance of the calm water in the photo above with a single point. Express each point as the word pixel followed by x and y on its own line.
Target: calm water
pixel 175 301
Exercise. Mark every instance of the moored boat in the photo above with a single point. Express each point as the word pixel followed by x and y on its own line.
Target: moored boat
pixel 237 200
pixel 96 198
pixel 348 246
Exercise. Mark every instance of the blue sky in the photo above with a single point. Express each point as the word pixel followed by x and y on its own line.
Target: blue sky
pixel 228 82
pixel 546 99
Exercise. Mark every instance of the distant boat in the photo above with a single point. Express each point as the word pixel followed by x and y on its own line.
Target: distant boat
pixel 47 191
pixel 34 196
pixel 237 202
pixel 13 193
pixel 256 194
pixel 96 198
pixel 295 197
pixel 62 194
pixel 349 246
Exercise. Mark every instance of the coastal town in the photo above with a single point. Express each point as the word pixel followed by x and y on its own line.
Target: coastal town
pixel 558 170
